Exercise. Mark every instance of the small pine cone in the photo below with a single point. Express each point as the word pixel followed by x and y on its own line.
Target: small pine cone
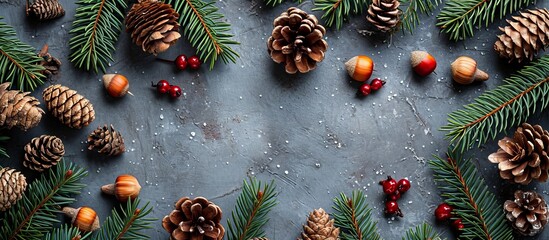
pixel 18 109
pixel 194 219
pixel 43 152
pixel 107 141
pixel 12 187
pixel 45 9
pixel 524 157
pixel 51 64
pixel 384 14
pixel 528 212
pixel 524 36
pixel 154 34
pixel 320 227
pixel 71 108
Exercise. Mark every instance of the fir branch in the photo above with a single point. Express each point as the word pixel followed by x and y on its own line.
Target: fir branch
pixel 3 152
pixel 66 232
pixel 459 17
pixel 354 217
pixel 337 11
pixel 251 210
pixel 463 188
pixel 34 215
pixel 273 3
pixel 422 232
pixel 19 63
pixel 128 225
pixel 205 29
pixel 95 31
pixel 510 104
pixel 410 16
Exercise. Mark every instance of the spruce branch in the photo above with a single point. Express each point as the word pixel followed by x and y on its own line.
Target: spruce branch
pixel 354 217
pixel 95 31
pixel 458 18
pixel 34 215
pixel 337 11
pixel 3 152
pixel 510 104
pixel 251 211
pixel 463 188
pixel 19 63
pixel 128 224
pixel 410 16
pixel 66 232
pixel 422 232
pixel 205 29
pixel 273 3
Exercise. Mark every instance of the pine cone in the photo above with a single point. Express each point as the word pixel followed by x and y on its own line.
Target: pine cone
pixel 107 140
pixel 524 157
pixel 384 14
pixel 43 152
pixel 194 219
pixel 153 25
pixel 17 109
pixel 71 108
pixel 524 36
pixel 297 41
pixel 45 9
pixel 12 187
pixel 320 227
pixel 528 212
pixel 51 64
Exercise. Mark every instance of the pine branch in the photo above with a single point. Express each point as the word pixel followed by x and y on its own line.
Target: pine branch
pixel 66 232
pixel 251 210
pixel 510 104
pixel 128 225
pixel 205 29
pixel 422 232
pixel 337 11
pixel 460 17
pixel 18 61
pixel 354 217
pixel 3 152
pixel 273 3
pixel 34 215
pixel 95 31
pixel 464 189
pixel 410 17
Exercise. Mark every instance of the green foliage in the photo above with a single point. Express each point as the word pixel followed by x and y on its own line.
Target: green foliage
pixel 354 217
pixel 95 31
pixel 18 61
pixel 127 225
pixel 35 214
pixel 410 16
pixel 463 188
pixel 510 104
pixel 206 30
pixel 252 207
pixel 273 3
pixel 422 232
pixel 337 11
pixel 65 232
pixel 3 152
pixel 460 17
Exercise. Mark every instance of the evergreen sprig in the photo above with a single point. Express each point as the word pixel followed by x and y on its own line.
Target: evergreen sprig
pixel 18 61
pixel 34 215
pixel 521 95
pixel 410 16
pixel 206 30
pixel 251 211
pixel 128 224
pixel 354 217
pixel 337 11
pixel 463 188
pixel 66 232
pixel 422 232
pixel 95 31
pixel 3 152
pixel 458 18
pixel 273 3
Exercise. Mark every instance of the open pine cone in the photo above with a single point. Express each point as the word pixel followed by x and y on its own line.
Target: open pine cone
pixel 297 41
pixel 384 14
pixel 43 152
pixel 18 109
pixel 528 212
pixel 194 219
pixel 320 227
pixel 45 9
pixel 71 108
pixel 524 157
pixel 107 141
pixel 12 187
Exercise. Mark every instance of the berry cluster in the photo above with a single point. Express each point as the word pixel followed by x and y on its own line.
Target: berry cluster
pixel 182 62
pixel 444 212
pixel 374 85
pixel 164 87
pixel 394 189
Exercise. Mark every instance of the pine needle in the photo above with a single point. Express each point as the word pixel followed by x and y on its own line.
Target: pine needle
pixel 128 224
pixel 66 232
pixel 273 3
pixel 338 11
pixel 3 152
pixel 410 16
pixel 354 217
pixel 422 232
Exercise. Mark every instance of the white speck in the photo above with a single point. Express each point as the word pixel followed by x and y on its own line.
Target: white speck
pixel 193 134
pixel 286 172
pixel 161 116
pixel 317 165
pixel 277 166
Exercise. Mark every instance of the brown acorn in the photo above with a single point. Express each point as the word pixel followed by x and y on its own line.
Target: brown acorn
pixel 84 218
pixel 126 186
pixel 117 85
pixel 465 71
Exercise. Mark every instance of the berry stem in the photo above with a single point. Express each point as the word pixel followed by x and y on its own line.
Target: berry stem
pixel 164 60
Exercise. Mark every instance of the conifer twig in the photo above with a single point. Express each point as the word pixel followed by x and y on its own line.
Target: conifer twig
pixel 3 152
pixel 354 217
pixel 337 11
pixel 422 232
pixel 410 16
pixel 66 232
pixel 128 224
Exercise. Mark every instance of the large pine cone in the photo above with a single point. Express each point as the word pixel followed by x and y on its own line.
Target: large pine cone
pixel 320 227
pixel 384 14
pixel 524 36
pixel 524 157
pixel 194 219
pixel 153 25
pixel 45 9
pixel 297 41
pixel 71 108
pixel 43 152
pixel 18 109
pixel 107 141
pixel 528 212
pixel 12 187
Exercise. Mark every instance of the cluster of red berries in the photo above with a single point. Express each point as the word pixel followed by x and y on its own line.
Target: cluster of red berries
pixel 164 87
pixel 444 212
pixel 394 189
pixel 374 85
pixel 182 62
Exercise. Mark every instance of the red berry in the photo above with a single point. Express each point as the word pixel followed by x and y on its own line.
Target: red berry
pixel 404 185
pixel 389 186
pixel 162 86
pixel 175 91
pixel 443 212
pixel 377 84
pixel 194 62
pixel 457 224
pixel 391 207
pixel 395 196
pixel 181 62
pixel 365 89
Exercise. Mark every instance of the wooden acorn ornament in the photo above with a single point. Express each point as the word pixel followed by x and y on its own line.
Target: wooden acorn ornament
pixel 465 71
pixel 84 218
pixel 117 85
pixel 126 186
pixel 423 63
pixel 360 68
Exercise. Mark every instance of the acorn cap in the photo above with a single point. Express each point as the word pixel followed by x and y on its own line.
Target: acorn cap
pixel 108 79
pixel 418 56
pixel 350 65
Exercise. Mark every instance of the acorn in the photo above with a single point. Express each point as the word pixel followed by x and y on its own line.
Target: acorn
pixel 360 68
pixel 423 63
pixel 125 186
pixel 84 218
pixel 465 71
pixel 117 85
